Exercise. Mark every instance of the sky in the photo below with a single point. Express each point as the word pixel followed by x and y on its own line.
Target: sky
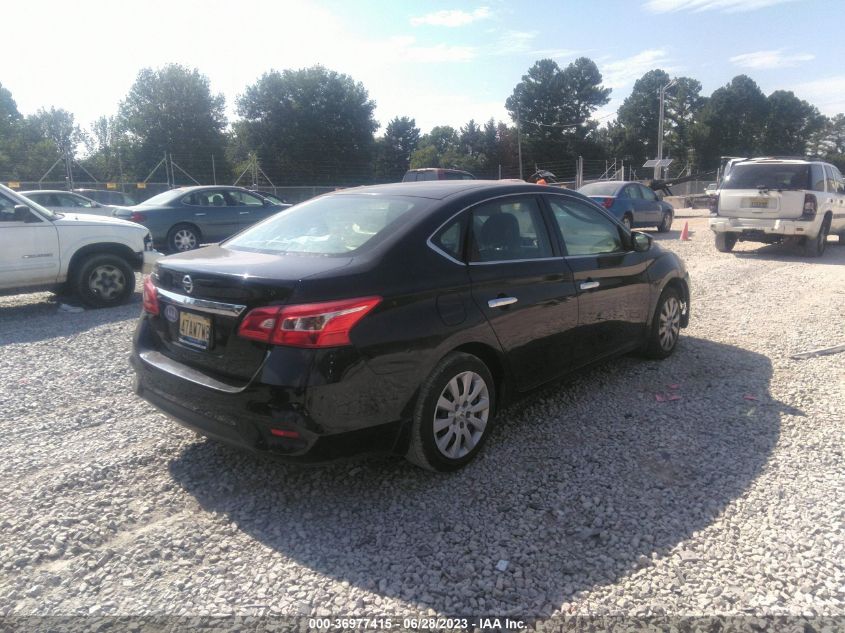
pixel 439 62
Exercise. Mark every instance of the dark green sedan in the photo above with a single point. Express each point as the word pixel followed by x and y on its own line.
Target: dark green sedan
pixel 182 219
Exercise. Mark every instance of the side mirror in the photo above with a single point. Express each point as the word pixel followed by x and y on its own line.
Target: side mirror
pixel 640 241
pixel 23 214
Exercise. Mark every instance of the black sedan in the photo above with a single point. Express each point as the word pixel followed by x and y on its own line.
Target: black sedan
pixel 182 219
pixel 399 317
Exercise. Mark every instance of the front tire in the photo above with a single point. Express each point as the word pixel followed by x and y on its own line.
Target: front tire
pixel 453 415
pixel 182 238
pixel 104 280
pixel 665 326
pixel 666 223
pixel 725 242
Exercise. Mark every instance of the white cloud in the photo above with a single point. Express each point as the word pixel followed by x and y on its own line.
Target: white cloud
pixel 827 94
pixel 760 60
pixel 515 42
pixel 452 18
pixel 624 72
pixel 726 6
pixel 405 49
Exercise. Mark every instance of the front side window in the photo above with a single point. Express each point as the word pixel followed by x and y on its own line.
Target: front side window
pixel 11 211
pixel 330 225
pixel 508 229
pixel 585 231
pixel 67 200
pixel 648 194
pixel 241 198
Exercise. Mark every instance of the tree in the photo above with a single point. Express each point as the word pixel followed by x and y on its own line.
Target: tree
pixel 790 124
pixel 394 149
pixel 310 126
pixel 109 150
pixel 59 126
pixel 173 110
pixel 553 107
pixel 9 114
pixel 445 147
pixel 731 122
pixel 683 105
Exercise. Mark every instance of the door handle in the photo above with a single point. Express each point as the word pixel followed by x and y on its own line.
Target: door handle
pixel 501 302
pixel 199 213
pixel 244 213
pixel 589 285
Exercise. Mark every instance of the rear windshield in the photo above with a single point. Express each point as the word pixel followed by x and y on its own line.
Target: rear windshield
pixel 331 225
pixel 600 189
pixel 768 176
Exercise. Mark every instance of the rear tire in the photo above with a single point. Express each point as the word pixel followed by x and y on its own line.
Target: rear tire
pixel 666 223
pixel 725 242
pixel 814 247
pixel 182 238
pixel 102 281
pixel 453 415
pixel 665 326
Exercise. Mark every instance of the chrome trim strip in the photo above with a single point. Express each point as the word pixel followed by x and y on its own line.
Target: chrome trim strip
pixel 203 305
pixel 165 364
pixel 516 261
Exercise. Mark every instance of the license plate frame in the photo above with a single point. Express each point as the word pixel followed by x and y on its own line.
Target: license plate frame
pixel 194 330
pixel 759 203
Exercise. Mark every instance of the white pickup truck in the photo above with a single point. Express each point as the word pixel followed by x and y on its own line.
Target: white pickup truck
pixel 92 257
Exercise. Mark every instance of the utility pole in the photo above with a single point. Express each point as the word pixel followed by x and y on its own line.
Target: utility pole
pixel 519 141
pixel 657 167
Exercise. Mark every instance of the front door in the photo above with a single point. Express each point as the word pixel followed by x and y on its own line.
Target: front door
pixel 214 212
pixel 651 205
pixel 251 208
pixel 611 280
pixel 523 287
pixel 29 247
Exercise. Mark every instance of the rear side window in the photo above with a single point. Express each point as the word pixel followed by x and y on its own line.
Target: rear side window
pixel 773 176
pixel 508 229
pixel 816 178
pixel 330 225
pixel 584 229
pixel 449 240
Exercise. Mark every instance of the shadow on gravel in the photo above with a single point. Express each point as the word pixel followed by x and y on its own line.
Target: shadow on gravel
pixel 579 485
pixel 834 254
pixel 40 320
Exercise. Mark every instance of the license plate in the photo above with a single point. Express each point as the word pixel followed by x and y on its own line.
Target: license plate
pixel 759 203
pixel 194 330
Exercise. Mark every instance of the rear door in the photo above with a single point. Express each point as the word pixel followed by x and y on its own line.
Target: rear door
pixel 214 212
pixel 29 247
pixel 522 286
pixel 611 280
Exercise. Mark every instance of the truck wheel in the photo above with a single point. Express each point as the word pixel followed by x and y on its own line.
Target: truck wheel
pixel 814 247
pixel 453 415
pixel 725 242
pixel 183 237
pixel 104 280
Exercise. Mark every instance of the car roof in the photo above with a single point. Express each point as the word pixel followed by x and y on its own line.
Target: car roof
pixel 25 193
pixel 442 189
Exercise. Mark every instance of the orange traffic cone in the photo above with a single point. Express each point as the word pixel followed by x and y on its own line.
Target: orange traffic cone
pixel 685 232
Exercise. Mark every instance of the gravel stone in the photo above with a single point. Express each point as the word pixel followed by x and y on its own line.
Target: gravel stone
pixel 591 497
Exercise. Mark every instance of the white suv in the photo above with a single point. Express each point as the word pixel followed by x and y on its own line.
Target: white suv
pixel 91 256
pixel 770 199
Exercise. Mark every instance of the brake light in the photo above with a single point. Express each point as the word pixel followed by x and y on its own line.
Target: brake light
pixel 150 301
pixel 607 202
pixel 809 211
pixel 137 217
pixel 325 324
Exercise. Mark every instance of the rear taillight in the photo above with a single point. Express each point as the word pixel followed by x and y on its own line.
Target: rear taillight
pixel 137 217
pixel 326 324
pixel 607 202
pixel 150 301
pixel 809 211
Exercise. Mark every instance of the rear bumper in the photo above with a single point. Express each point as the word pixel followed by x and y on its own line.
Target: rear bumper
pixel 333 418
pixel 750 228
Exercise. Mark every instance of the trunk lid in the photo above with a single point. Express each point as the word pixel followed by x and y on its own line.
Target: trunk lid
pixel 204 295
pixel 761 203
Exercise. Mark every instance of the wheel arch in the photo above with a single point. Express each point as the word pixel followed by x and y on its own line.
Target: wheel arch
pixel 102 248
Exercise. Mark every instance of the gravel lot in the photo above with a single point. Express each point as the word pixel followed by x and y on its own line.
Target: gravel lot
pixel 593 497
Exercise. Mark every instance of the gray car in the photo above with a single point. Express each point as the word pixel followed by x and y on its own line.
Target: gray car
pixel 182 219
pixel 67 202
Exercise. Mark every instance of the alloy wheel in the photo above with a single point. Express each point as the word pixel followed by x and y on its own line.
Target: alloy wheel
pixel 670 323
pixel 107 281
pixel 461 414
pixel 185 240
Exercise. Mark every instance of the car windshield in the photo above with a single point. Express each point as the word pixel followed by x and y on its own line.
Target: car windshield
pixel 600 189
pixel 768 176
pixel 162 198
pixel 331 225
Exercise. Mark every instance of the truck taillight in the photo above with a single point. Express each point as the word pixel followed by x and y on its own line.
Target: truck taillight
pixel 810 207
pixel 325 324
pixel 150 300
